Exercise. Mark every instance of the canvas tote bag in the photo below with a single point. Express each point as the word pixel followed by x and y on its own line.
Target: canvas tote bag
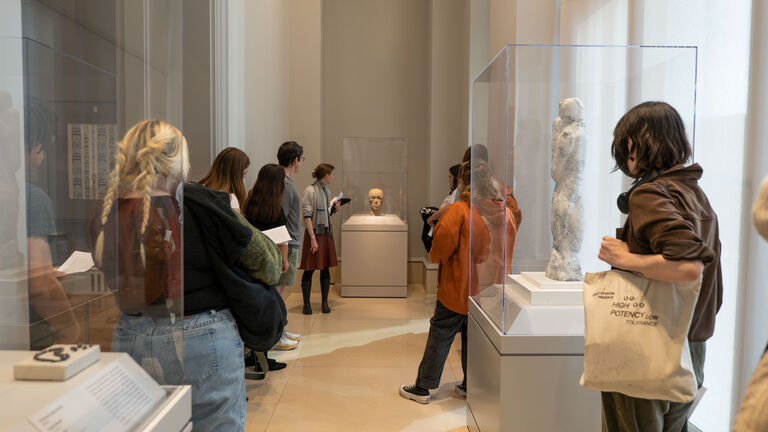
pixel 636 336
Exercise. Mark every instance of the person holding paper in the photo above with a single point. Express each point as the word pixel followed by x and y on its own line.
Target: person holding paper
pixel 263 209
pixel 319 250
pixel 51 317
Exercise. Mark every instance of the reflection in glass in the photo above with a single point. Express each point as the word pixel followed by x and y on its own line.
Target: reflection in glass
pixel 51 317
pixel 138 245
pixel 515 101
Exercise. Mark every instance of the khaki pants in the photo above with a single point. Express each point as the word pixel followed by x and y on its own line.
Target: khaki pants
pixel 623 413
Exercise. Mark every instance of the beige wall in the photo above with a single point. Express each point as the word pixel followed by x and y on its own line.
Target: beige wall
pixel 276 96
pixel 197 85
pixel 317 70
pixel 266 87
pixel 376 84
pixel 306 84
pixel 449 92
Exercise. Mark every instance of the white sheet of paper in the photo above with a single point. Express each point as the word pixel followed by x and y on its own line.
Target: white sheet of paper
pixel 334 199
pixel 77 262
pixel 279 235
pixel 116 399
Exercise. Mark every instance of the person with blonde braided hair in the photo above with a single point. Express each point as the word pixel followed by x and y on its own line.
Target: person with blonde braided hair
pixel 138 245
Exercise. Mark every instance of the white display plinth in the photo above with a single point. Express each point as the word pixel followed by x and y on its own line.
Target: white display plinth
pixel 25 398
pixel 527 379
pixel 14 308
pixel 374 256
pixel 537 289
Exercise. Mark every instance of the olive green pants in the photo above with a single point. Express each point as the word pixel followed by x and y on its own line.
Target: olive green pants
pixel 623 413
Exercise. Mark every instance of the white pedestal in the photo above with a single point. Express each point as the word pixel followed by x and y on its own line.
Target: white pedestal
pixel 374 256
pixel 14 308
pixel 25 398
pixel 537 289
pixel 527 379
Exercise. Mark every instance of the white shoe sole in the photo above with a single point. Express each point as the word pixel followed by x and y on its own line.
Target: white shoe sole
pixel 462 394
pixel 413 397
pixel 292 336
pixel 284 347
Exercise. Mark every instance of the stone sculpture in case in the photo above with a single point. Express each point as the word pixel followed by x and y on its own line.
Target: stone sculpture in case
pixel 567 217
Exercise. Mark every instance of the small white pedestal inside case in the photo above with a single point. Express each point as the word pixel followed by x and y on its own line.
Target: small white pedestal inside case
pixel 537 289
pixel 113 394
pixel 57 362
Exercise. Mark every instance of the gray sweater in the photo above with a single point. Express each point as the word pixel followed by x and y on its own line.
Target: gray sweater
pixel 314 204
pixel 292 210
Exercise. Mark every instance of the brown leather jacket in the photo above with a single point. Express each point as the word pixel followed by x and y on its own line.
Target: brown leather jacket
pixel 672 216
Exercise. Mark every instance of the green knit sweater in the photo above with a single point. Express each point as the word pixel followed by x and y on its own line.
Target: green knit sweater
pixel 262 258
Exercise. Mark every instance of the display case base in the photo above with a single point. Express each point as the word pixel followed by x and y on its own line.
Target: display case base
pixel 374 257
pixel 526 382
pixel 374 291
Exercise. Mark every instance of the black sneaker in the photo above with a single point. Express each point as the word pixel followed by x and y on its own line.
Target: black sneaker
pixel 275 365
pixel 415 393
pixel 461 390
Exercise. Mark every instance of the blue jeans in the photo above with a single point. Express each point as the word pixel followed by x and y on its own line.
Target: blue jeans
pixel 212 362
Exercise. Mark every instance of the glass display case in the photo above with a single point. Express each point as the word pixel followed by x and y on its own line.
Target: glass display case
pixel 542 127
pixel 374 230
pixel 68 94
pixel 515 103
pixel 379 165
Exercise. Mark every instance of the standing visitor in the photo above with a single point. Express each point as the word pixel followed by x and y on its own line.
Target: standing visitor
pixel 319 250
pixel 671 234
pixel 227 174
pixel 290 155
pixel 451 248
pixel 138 245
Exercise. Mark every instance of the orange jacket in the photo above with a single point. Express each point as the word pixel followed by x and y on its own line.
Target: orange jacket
pixel 502 223
pixel 451 249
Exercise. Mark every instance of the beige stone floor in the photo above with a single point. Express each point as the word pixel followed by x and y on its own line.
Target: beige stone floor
pixel 345 374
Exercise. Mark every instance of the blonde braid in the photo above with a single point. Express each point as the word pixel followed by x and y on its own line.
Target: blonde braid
pixel 149 149
pixel 109 197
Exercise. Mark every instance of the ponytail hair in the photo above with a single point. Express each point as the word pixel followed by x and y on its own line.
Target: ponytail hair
pixel 322 170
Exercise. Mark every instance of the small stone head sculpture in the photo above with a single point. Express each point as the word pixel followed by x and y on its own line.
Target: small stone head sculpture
pixel 375 198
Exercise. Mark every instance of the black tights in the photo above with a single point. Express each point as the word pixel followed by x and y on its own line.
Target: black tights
pixel 325 273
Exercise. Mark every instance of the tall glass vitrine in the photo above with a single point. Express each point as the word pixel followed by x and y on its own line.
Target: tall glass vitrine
pixel 526 327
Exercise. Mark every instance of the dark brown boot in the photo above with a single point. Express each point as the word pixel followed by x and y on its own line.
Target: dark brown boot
pixel 306 289
pixel 325 288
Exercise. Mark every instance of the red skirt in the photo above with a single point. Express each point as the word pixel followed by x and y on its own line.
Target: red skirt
pixel 325 255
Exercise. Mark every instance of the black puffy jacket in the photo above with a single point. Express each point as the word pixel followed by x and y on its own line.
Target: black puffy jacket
pixel 214 241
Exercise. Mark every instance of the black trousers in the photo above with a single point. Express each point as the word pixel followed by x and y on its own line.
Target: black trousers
pixel 443 327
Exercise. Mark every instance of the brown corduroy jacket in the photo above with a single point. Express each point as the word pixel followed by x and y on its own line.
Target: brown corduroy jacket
pixel 672 216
